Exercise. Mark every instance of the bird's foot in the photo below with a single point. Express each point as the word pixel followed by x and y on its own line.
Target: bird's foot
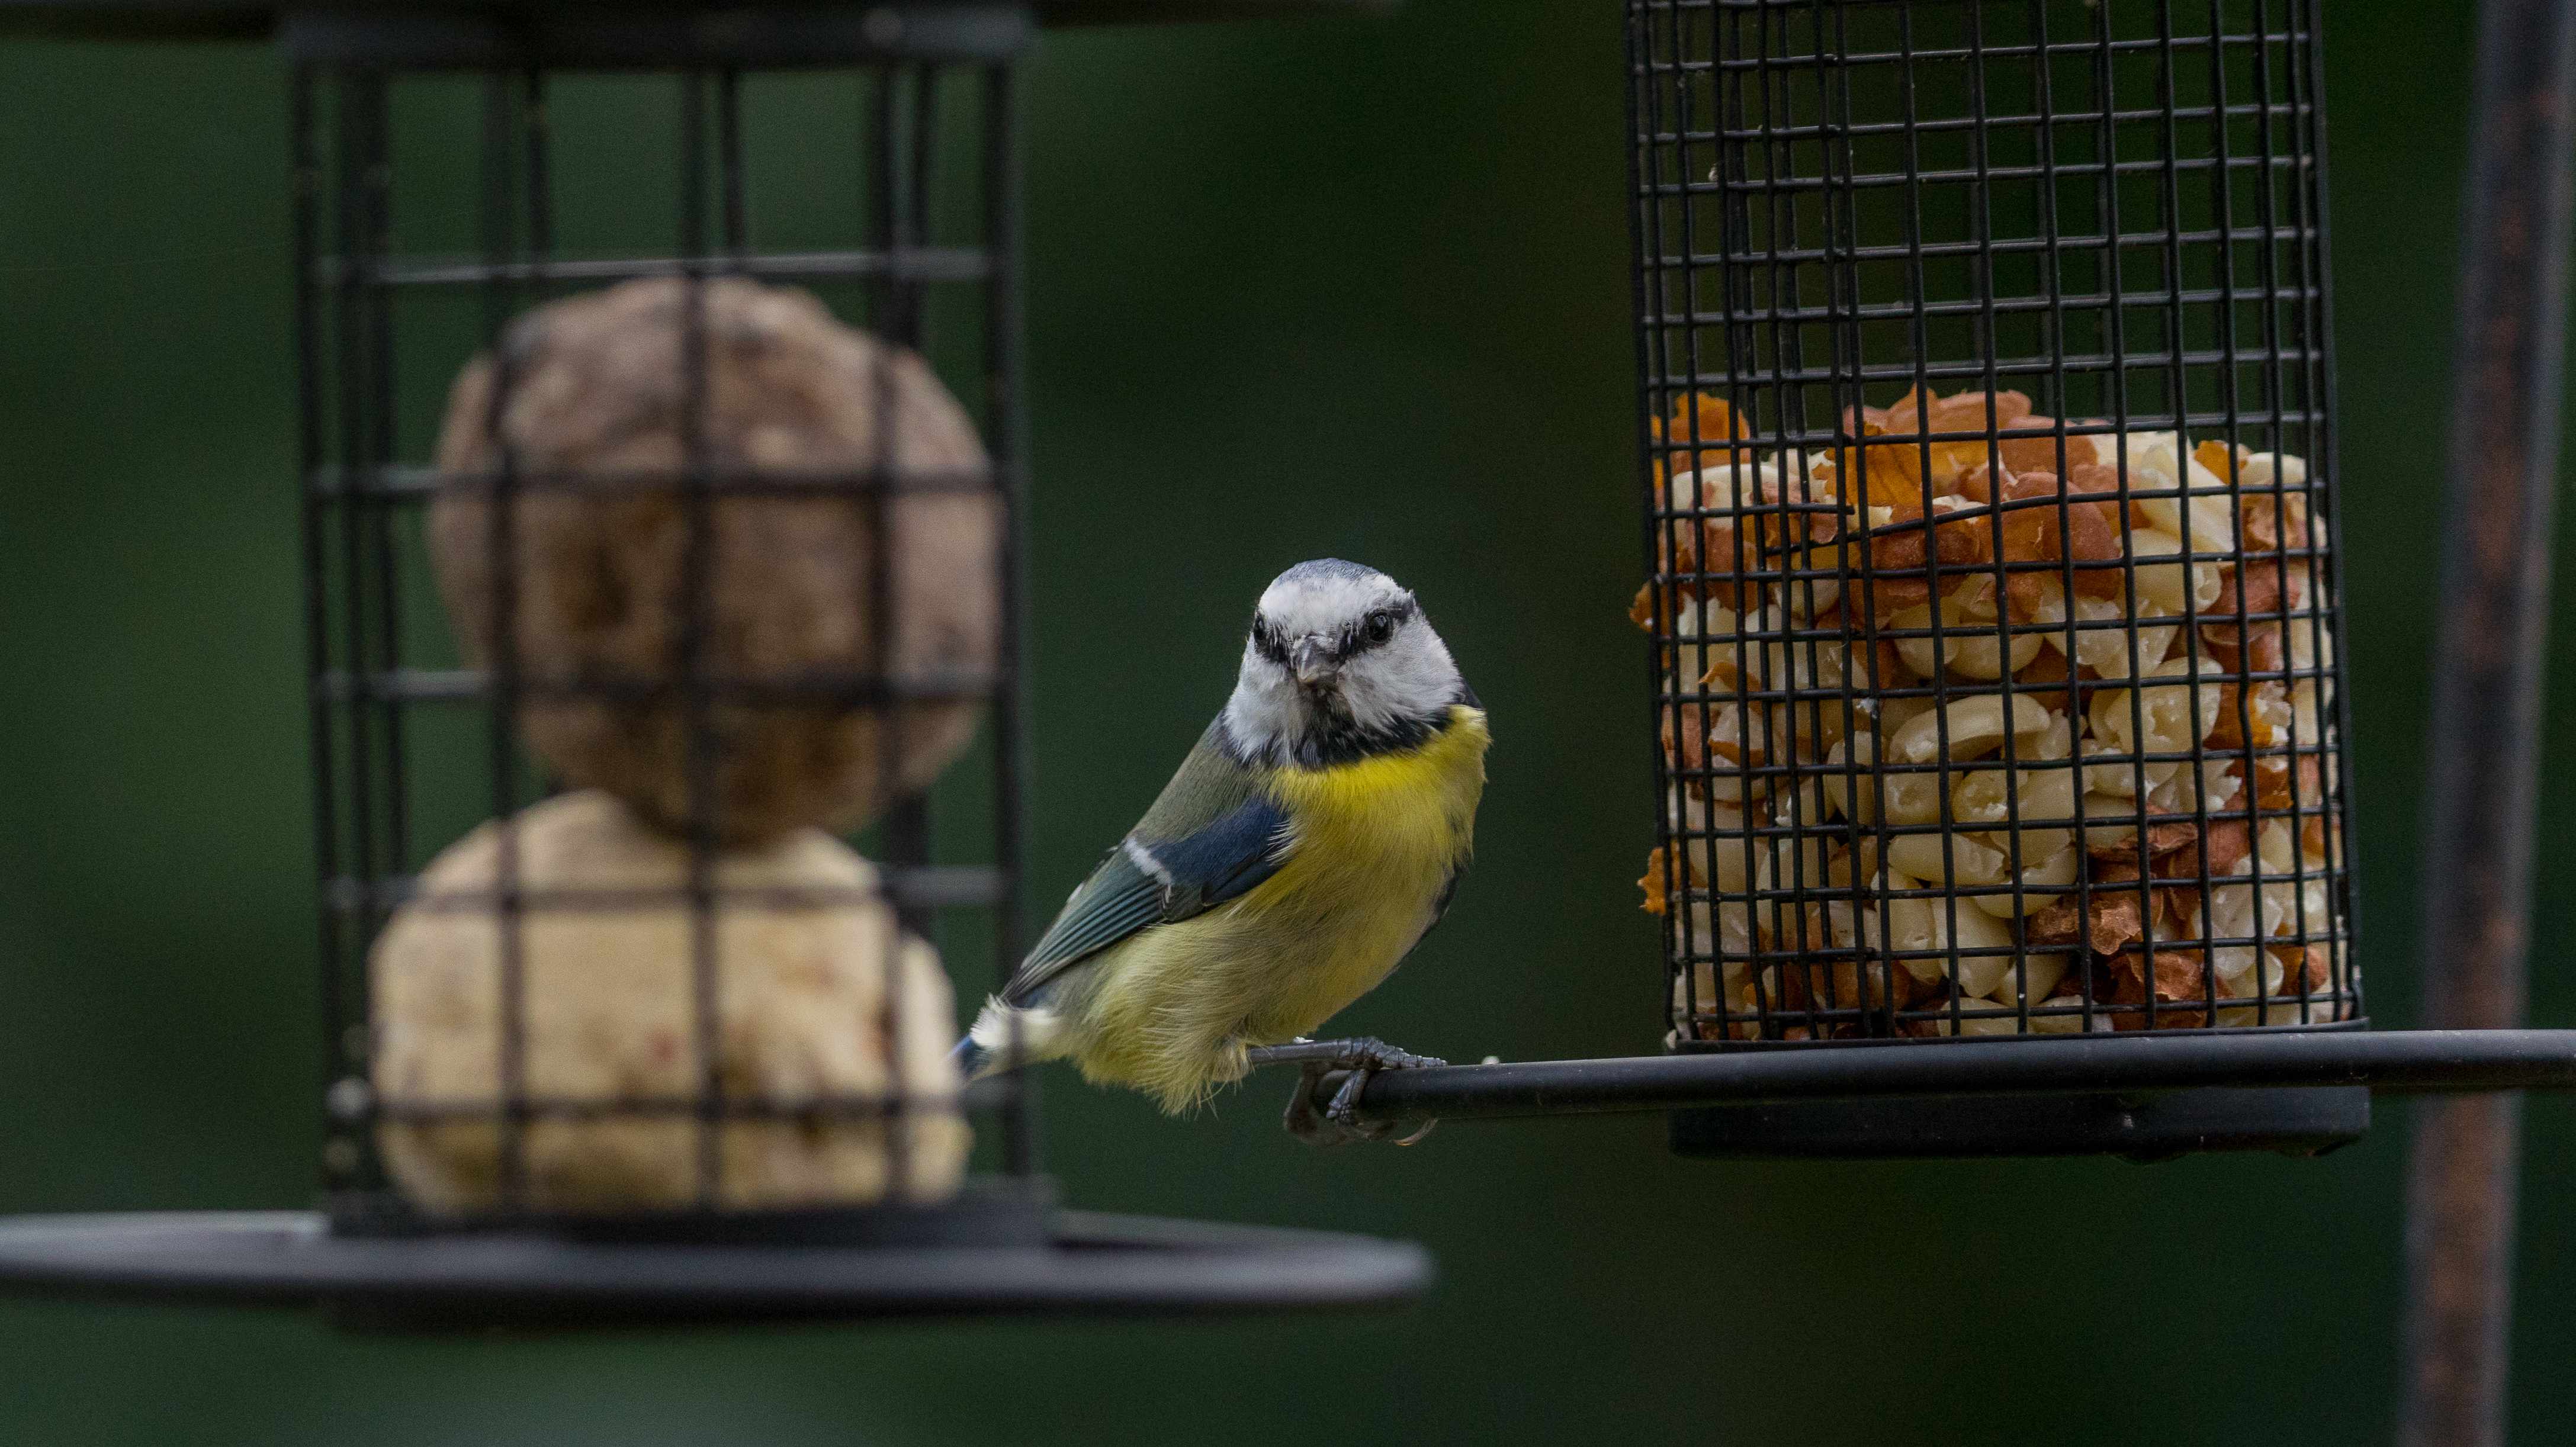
pixel 1338 1123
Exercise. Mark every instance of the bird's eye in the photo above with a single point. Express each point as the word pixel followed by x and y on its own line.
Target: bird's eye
pixel 1267 638
pixel 1381 627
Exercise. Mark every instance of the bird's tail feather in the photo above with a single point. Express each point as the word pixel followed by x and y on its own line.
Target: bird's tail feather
pixel 1007 1037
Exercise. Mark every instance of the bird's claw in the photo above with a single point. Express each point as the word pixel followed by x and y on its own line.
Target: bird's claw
pixel 1338 1123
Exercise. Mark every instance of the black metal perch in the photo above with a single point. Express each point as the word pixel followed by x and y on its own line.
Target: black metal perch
pixel 2147 1085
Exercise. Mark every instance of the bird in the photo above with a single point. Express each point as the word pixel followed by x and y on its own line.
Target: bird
pixel 1312 837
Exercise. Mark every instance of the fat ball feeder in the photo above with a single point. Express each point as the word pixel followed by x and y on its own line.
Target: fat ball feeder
pixel 736 576
pixel 1998 722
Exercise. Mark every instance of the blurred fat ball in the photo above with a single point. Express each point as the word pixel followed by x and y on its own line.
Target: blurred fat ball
pixel 595 421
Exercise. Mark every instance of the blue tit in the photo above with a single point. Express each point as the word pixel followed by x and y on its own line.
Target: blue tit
pixel 1307 843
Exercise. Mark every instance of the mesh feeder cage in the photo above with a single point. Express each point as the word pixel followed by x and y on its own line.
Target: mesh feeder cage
pixel 1990 461
pixel 687 576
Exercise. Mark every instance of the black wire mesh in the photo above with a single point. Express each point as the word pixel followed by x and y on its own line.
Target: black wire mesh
pixel 452 176
pixel 1985 393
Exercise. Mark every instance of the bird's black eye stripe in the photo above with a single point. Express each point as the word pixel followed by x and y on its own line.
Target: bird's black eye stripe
pixel 1380 623
pixel 1269 641
pixel 1372 628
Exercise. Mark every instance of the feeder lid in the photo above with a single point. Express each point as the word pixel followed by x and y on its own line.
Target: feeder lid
pixel 257 19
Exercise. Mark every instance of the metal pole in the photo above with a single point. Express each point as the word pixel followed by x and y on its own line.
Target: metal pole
pixel 2486 707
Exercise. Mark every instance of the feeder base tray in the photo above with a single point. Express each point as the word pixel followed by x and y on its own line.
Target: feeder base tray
pixel 530 1280
pixel 2141 1127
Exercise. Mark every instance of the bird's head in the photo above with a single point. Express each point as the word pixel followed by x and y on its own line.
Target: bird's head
pixel 1339 664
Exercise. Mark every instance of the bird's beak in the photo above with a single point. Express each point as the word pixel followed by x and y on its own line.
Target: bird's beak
pixel 1311 659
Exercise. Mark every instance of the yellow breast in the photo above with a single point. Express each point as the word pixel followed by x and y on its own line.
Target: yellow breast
pixel 1376 842
pixel 1417 806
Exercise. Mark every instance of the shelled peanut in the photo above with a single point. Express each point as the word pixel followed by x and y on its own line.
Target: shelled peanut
pixel 1975 727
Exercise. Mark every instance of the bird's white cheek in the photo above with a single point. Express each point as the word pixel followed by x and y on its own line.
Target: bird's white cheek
pixel 1368 697
pixel 1264 710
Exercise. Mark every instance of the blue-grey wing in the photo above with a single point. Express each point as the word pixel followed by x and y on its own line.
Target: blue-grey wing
pixel 1116 901
pixel 1221 860
pixel 1228 846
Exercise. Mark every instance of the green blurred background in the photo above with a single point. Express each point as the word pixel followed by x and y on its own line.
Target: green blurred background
pixel 1349 286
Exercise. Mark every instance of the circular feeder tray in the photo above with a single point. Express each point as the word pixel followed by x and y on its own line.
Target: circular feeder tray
pixel 2147 1097
pixel 716 1269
